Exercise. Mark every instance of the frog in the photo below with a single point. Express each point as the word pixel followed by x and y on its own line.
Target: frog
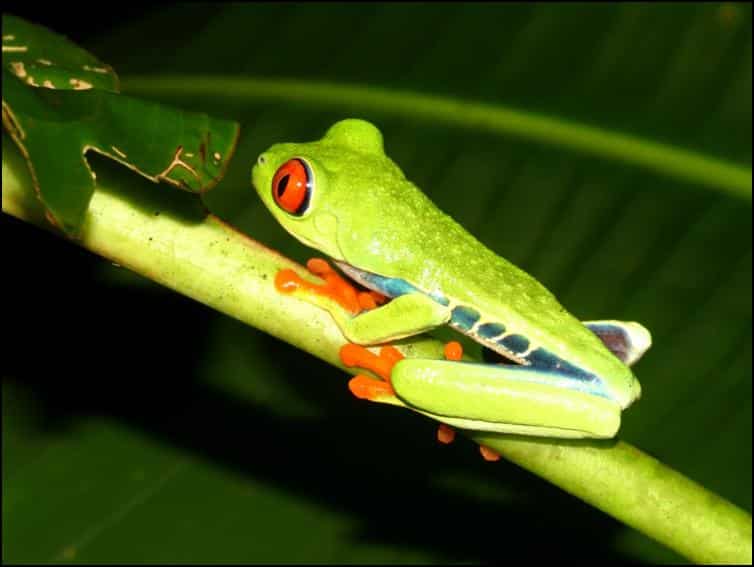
pixel 556 376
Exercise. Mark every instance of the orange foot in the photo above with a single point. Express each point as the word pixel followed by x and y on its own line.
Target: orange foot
pixel 488 454
pixel 382 364
pixel 335 287
pixel 364 387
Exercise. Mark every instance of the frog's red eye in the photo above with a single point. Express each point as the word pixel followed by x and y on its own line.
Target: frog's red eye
pixel 292 186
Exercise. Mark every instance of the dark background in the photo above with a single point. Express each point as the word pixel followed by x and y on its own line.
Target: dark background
pixel 139 425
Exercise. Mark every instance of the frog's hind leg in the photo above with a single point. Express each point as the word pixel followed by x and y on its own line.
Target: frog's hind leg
pixel 381 391
pixel 628 340
pixel 446 434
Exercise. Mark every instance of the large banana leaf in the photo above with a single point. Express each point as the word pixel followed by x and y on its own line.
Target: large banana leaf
pixel 139 426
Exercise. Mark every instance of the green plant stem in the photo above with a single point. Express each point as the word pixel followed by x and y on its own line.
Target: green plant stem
pixel 661 158
pixel 198 255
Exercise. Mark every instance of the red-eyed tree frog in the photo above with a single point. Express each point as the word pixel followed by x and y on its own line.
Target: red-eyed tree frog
pixel 343 196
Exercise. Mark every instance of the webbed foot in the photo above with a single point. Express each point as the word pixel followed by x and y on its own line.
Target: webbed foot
pixel 488 454
pixel 362 386
pixel 336 287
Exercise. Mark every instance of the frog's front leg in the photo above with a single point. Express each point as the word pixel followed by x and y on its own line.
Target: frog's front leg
pixel 335 288
pixel 365 321
pixel 404 316
pixel 365 324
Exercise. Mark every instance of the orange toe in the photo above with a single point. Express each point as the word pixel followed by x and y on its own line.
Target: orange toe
pixel 357 356
pixel 489 454
pixel 352 355
pixel 445 434
pixel 366 301
pixel 319 267
pixel 287 281
pixel 453 351
pixel 366 388
pixel 391 355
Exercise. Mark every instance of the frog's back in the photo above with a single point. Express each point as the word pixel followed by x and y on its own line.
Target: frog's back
pixel 498 303
pixel 490 299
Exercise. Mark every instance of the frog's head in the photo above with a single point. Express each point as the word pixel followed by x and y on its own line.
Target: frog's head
pixel 313 189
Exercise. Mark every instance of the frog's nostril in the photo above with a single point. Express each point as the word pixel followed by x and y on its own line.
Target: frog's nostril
pixel 261 160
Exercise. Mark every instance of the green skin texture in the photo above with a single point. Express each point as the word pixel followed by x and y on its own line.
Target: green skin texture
pixel 364 212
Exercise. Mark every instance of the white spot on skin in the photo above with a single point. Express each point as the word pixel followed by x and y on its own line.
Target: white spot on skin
pixel 15 49
pixel 18 69
pixel 30 80
pixel 217 156
pixel 79 85
pixel 47 83
pixel 9 37
pixel 189 154
pixel 44 62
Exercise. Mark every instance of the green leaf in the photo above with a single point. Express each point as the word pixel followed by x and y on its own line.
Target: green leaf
pixel 60 103
pixel 41 58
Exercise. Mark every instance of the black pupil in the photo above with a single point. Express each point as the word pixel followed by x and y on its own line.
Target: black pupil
pixel 283 185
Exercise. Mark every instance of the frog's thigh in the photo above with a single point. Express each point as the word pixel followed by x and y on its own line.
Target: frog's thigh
pixel 403 316
pixel 502 398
